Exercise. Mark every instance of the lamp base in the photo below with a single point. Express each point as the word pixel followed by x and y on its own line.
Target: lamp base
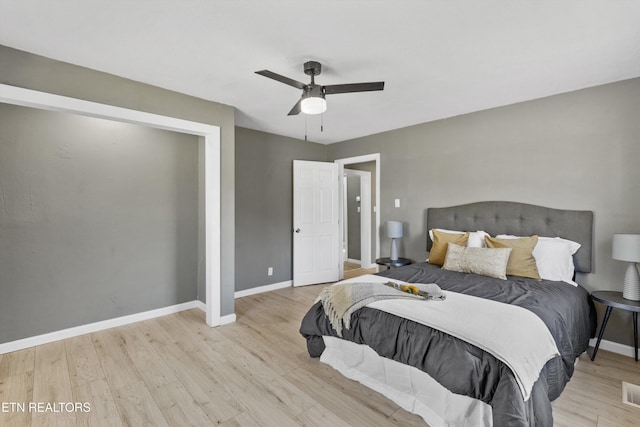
pixel 394 250
pixel 631 289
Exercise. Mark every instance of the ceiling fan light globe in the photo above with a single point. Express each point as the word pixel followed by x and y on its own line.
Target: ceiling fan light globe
pixel 313 105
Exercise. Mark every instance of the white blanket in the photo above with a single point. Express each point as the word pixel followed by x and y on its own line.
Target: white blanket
pixel 512 334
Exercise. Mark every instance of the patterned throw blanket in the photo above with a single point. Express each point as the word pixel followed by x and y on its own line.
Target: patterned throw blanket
pixel 339 301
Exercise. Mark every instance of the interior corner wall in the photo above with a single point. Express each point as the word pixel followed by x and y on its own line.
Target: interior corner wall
pixel 264 205
pixel 22 69
pixel 577 150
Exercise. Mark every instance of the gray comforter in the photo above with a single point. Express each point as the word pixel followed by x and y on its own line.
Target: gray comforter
pixel 461 367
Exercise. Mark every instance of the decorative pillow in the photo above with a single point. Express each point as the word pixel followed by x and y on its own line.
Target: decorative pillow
pixel 554 258
pixel 476 238
pixel 484 261
pixel 521 262
pixel 440 241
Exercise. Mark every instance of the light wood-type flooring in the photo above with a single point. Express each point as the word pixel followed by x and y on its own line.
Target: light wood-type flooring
pixel 354 270
pixel 176 371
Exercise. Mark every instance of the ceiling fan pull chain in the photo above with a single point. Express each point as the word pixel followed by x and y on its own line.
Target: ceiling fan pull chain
pixel 305 127
pixel 322 122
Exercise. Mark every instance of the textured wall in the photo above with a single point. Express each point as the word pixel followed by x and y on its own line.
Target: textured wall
pixel 572 151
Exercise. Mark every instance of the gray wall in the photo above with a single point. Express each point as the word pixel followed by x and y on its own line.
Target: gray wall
pixel 264 204
pixel 22 69
pixel 572 151
pixel 98 219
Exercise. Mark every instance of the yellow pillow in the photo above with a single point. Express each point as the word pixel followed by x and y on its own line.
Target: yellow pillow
pixel 441 241
pixel 521 261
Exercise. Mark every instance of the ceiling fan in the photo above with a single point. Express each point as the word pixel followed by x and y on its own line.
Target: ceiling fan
pixel 313 95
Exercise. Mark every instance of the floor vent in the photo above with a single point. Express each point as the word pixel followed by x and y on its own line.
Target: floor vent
pixel 631 394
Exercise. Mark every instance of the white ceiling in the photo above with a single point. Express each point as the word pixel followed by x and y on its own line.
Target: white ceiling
pixel 438 58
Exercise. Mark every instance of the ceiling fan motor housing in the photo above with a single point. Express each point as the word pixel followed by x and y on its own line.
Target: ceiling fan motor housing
pixel 312 68
pixel 313 90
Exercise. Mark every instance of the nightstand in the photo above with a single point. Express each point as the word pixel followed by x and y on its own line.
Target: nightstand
pixel 614 299
pixel 400 262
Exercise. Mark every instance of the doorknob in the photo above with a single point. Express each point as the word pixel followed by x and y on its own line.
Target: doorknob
pixel 297 230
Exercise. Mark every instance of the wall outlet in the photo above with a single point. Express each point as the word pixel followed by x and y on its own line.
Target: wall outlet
pixel 270 271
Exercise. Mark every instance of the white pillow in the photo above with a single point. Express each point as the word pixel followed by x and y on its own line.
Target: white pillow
pixel 476 238
pixel 554 258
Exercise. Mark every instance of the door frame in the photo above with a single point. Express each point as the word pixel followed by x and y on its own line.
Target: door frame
pixel 374 157
pixel 209 134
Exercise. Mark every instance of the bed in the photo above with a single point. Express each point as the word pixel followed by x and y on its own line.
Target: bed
pixel 450 378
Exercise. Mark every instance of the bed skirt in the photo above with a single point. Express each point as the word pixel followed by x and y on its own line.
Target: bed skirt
pixel 412 389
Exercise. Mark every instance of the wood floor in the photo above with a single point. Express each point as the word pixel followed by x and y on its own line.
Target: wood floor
pixel 176 371
pixel 354 270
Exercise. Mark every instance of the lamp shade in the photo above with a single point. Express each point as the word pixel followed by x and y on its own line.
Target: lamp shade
pixel 394 229
pixel 626 247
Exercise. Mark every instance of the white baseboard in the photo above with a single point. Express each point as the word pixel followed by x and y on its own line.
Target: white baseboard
pixel 614 347
pixel 224 320
pixel 106 324
pixel 354 261
pixel 200 305
pixel 229 318
pixel 265 288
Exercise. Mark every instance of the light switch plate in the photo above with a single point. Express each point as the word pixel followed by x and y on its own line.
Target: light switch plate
pixel 397 203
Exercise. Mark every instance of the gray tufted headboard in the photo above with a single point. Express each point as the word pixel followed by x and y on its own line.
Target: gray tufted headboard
pixel 519 219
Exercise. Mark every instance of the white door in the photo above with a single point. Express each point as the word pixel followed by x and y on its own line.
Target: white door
pixel 315 222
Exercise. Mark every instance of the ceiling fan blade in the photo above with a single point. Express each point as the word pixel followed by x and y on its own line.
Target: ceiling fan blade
pixel 296 108
pixel 281 79
pixel 353 87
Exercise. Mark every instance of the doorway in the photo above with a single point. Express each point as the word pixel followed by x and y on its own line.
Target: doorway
pixel 367 163
pixel 356 218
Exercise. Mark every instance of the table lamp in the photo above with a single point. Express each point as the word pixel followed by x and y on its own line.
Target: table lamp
pixel 394 231
pixel 626 247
